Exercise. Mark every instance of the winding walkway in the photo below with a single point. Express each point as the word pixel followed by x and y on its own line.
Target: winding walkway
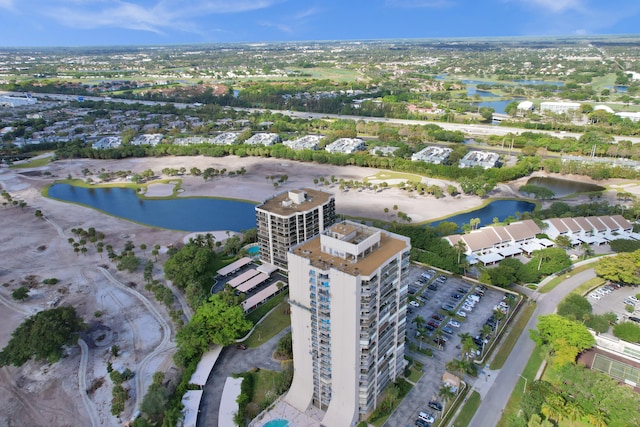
pixel 164 345
pixel 82 384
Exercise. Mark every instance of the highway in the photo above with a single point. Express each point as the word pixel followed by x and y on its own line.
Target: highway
pixel 467 129
pixel 495 400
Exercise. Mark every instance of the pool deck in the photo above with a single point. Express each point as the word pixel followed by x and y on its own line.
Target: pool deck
pixel 282 410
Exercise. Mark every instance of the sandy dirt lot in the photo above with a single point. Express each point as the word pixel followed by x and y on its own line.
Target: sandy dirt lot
pixel 77 390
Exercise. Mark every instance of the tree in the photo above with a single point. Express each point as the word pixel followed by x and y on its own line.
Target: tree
pixel 419 321
pixel 564 339
pixel 574 307
pixel 42 337
pixel 20 294
pixel 461 247
pixel 191 264
pixel 214 322
pixel 446 393
pixel 627 331
pixel 155 401
pixel 622 268
pixel 563 241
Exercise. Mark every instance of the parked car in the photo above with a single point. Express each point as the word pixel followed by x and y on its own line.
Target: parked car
pixel 456 295
pixel 467 307
pixel 435 405
pixel 439 341
pixel 433 323
pixel 448 307
pixel 438 317
pixel 426 417
pixel 422 423
pixel 454 323
pixel 241 347
pixel 634 319
pixel 432 287
pixel 414 304
pixel 461 313
pixel 447 330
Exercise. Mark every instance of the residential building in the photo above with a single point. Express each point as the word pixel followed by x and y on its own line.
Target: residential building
pixel 483 159
pixel 345 145
pixel 263 139
pixel 307 142
pixel 558 107
pixel 432 154
pixel 348 319
pixel 289 218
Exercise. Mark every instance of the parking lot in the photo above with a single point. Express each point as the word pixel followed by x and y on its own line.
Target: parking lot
pixel 445 304
pixel 612 298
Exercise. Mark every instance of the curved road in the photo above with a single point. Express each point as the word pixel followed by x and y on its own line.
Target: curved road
pixel 82 384
pixel 494 402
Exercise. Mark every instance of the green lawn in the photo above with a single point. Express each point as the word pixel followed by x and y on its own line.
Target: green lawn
pixel 516 330
pixel 259 312
pixel 468 410
pixel 557 280
pixel 270 326
pixel 36 163
pixel 415 375
pixel 588 285
pixel 513 406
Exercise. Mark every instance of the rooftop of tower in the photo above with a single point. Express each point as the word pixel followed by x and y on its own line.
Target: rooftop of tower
pixel 295 201
pixel 353 234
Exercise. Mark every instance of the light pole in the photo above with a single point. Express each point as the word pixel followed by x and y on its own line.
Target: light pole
pixel 524 389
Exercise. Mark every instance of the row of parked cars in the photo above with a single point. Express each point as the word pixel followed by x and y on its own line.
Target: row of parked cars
pixel 604 290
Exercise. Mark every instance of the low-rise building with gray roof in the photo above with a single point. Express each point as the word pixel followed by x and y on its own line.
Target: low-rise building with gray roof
pixel 345 145
pixel 432 154
pixel 483 159
pixel 307 142
pixel 263 139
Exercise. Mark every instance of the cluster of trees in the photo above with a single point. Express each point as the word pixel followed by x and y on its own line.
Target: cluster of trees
pixel 621 268
pixel 42 337
pixel 428 247
pixel 577 308
pixel 543 263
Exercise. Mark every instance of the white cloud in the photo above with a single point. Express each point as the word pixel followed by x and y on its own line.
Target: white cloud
pixel 410 4
pixel 6 4
pixel 557 5
pixel 306 13
pixel 153 16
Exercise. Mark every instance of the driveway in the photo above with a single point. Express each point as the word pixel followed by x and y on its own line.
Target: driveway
pixel 233 360
pixel 495 397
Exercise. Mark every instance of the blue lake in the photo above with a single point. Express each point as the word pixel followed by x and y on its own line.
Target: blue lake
pixel 538 82
pixel 498 208
pixel 618 88
pixel 472 90
pixel 184 214
pixel 498 106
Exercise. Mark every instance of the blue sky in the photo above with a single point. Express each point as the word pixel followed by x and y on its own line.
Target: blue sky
pixel 143 22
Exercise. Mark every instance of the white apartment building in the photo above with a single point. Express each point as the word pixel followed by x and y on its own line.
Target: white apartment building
pixel 558 107
pixel 289 218
pixel 348 319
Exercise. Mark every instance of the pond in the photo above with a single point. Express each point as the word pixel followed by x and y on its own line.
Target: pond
pixel 563 187
pixel 538 82
pixel 184 214
pixel 498 208
pixel 498 106
pixel 618 88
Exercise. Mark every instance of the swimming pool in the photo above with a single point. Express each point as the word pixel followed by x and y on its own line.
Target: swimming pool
pixel 280 422
pixel 253 250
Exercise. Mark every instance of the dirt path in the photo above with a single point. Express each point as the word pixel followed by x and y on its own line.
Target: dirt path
pixel 82 384
pixel 164 345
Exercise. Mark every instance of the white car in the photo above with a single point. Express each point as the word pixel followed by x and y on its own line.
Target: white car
pixel 454 323
pixel 461 313
pixel 414 304
pixel 426 417
pixel 467 308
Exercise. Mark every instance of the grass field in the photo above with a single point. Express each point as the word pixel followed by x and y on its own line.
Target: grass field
pixel 388 175
pixel 36 163
pixel 415 375
pixel 530 371
pixel 557 280
pixel 468 410
pixel 512 338
pixel 270 326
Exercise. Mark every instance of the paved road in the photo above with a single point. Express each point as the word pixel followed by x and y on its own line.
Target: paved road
pixel 495 397
pixel 233 360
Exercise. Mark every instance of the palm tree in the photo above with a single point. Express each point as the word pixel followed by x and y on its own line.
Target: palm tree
pixel 587 250
pixel 446 393
pixel 574 411
pixel 598 418
pixel 461 247
pixel 554 408
pixel 467 346
pixel 457 366
pixel 419 321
